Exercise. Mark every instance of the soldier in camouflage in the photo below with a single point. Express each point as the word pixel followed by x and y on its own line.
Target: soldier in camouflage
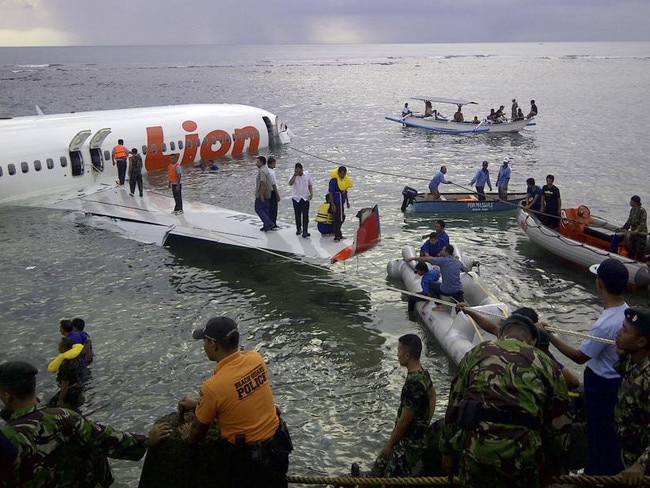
pixel 632 411
pixel 56 446
pixel 506 418
pixel 417 403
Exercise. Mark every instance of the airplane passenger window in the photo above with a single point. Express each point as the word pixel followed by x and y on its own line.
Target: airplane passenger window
pixel 64 161
pixel 172 145
pixel 164 147
pixel 154 149
pixel 190 144
pixel 11 169
pixel 144 149
pixel 24 167
pixel 205 141
pixel 37 165
pixel 50 163
pixel 107 156
pixel 180 145
pixel 0 171
pixel 214 140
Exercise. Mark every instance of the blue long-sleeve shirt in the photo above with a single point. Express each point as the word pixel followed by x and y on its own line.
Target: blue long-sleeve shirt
pixel 482 178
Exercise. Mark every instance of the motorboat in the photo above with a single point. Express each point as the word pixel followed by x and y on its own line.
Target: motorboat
pixel 417 202
pixel 584 239
pixel 456 333
pixel 432 120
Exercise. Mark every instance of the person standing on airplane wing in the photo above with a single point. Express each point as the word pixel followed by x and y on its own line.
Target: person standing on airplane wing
pixel 174 173
pixel 119 156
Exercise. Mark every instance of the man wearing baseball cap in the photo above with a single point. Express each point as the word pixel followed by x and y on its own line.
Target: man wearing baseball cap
pixel 507 402
pixel 57 446
pixel 601 381
pixel 238 396
pixel 632 410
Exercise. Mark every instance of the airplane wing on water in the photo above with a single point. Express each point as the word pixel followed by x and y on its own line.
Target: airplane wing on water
pixel 149 219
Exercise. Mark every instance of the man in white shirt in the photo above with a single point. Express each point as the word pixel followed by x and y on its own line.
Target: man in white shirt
pixel 302 193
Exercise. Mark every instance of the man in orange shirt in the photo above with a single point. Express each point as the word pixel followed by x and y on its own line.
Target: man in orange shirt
pixel 238 396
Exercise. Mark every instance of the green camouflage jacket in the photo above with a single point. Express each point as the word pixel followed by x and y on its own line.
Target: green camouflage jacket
pixel 415 395
pixel 632 411
pixel 637 220
pixel 59 447
pixel 509 377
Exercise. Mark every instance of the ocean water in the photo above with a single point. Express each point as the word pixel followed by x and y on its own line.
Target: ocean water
pixel 329 332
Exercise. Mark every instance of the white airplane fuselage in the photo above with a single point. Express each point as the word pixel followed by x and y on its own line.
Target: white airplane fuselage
pixel 54 153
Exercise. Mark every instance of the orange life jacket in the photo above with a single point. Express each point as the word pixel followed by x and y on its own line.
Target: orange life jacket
pixel 172 177
pixel 120 152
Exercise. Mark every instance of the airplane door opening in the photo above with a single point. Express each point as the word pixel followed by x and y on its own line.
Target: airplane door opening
pixel 270 129
pixel 76 158
pixel 95 145
pixel 97 160
pixel 76 163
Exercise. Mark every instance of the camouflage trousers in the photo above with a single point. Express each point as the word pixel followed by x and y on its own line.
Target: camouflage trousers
pixel 401 461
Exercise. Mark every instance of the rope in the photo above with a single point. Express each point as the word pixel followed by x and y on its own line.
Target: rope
pixel 498 315
pixel 444 480
pixel 582 335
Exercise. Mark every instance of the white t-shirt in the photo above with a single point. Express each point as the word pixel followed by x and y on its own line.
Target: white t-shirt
pixel 273 180
pixel 300 187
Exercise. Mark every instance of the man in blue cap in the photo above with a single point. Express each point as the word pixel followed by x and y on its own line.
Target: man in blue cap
pixel 601 380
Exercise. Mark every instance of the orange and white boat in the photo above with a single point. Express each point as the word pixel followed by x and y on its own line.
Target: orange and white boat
pixel 585 240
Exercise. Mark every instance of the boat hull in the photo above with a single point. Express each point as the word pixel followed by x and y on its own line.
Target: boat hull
pixel 454 332
pixel 464 203
pixel 451 127
pixel 579 253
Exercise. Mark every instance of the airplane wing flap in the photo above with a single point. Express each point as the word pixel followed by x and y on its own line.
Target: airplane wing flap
pixel 149 219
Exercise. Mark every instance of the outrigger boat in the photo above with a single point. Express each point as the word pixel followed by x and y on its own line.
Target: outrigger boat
pixel 455 332
pixel 458 202
pixel 432 120
pixel 585 240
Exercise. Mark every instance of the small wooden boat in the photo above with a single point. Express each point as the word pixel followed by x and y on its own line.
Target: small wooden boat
pixel 584 239
pixel 455 332
pixel 432 120
pixel 458 202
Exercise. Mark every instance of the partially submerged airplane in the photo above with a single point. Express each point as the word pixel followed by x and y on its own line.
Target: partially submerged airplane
pixel 64 161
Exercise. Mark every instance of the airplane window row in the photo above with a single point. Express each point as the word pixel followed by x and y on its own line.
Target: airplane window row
pixel 49 163
pixel 38 166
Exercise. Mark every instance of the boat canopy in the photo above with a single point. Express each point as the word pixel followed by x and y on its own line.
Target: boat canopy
pixel 453 101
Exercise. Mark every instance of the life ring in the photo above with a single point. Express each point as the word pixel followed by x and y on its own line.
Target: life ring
pixel 563 218
pixel 584 214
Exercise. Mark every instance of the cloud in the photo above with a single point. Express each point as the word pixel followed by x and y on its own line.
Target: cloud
pixel 142 22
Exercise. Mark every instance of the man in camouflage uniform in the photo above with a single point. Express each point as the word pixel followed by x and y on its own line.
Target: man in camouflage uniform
pixel 56 446
pixel 417 403
pixel 505 421
pixel 632 411
pixel 637 224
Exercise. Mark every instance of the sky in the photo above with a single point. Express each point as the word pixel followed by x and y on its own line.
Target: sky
pixel 160 22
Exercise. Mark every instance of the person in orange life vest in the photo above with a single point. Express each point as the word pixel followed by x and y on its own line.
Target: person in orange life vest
pixel 119 156
pixel 239 397
pixel 174 173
